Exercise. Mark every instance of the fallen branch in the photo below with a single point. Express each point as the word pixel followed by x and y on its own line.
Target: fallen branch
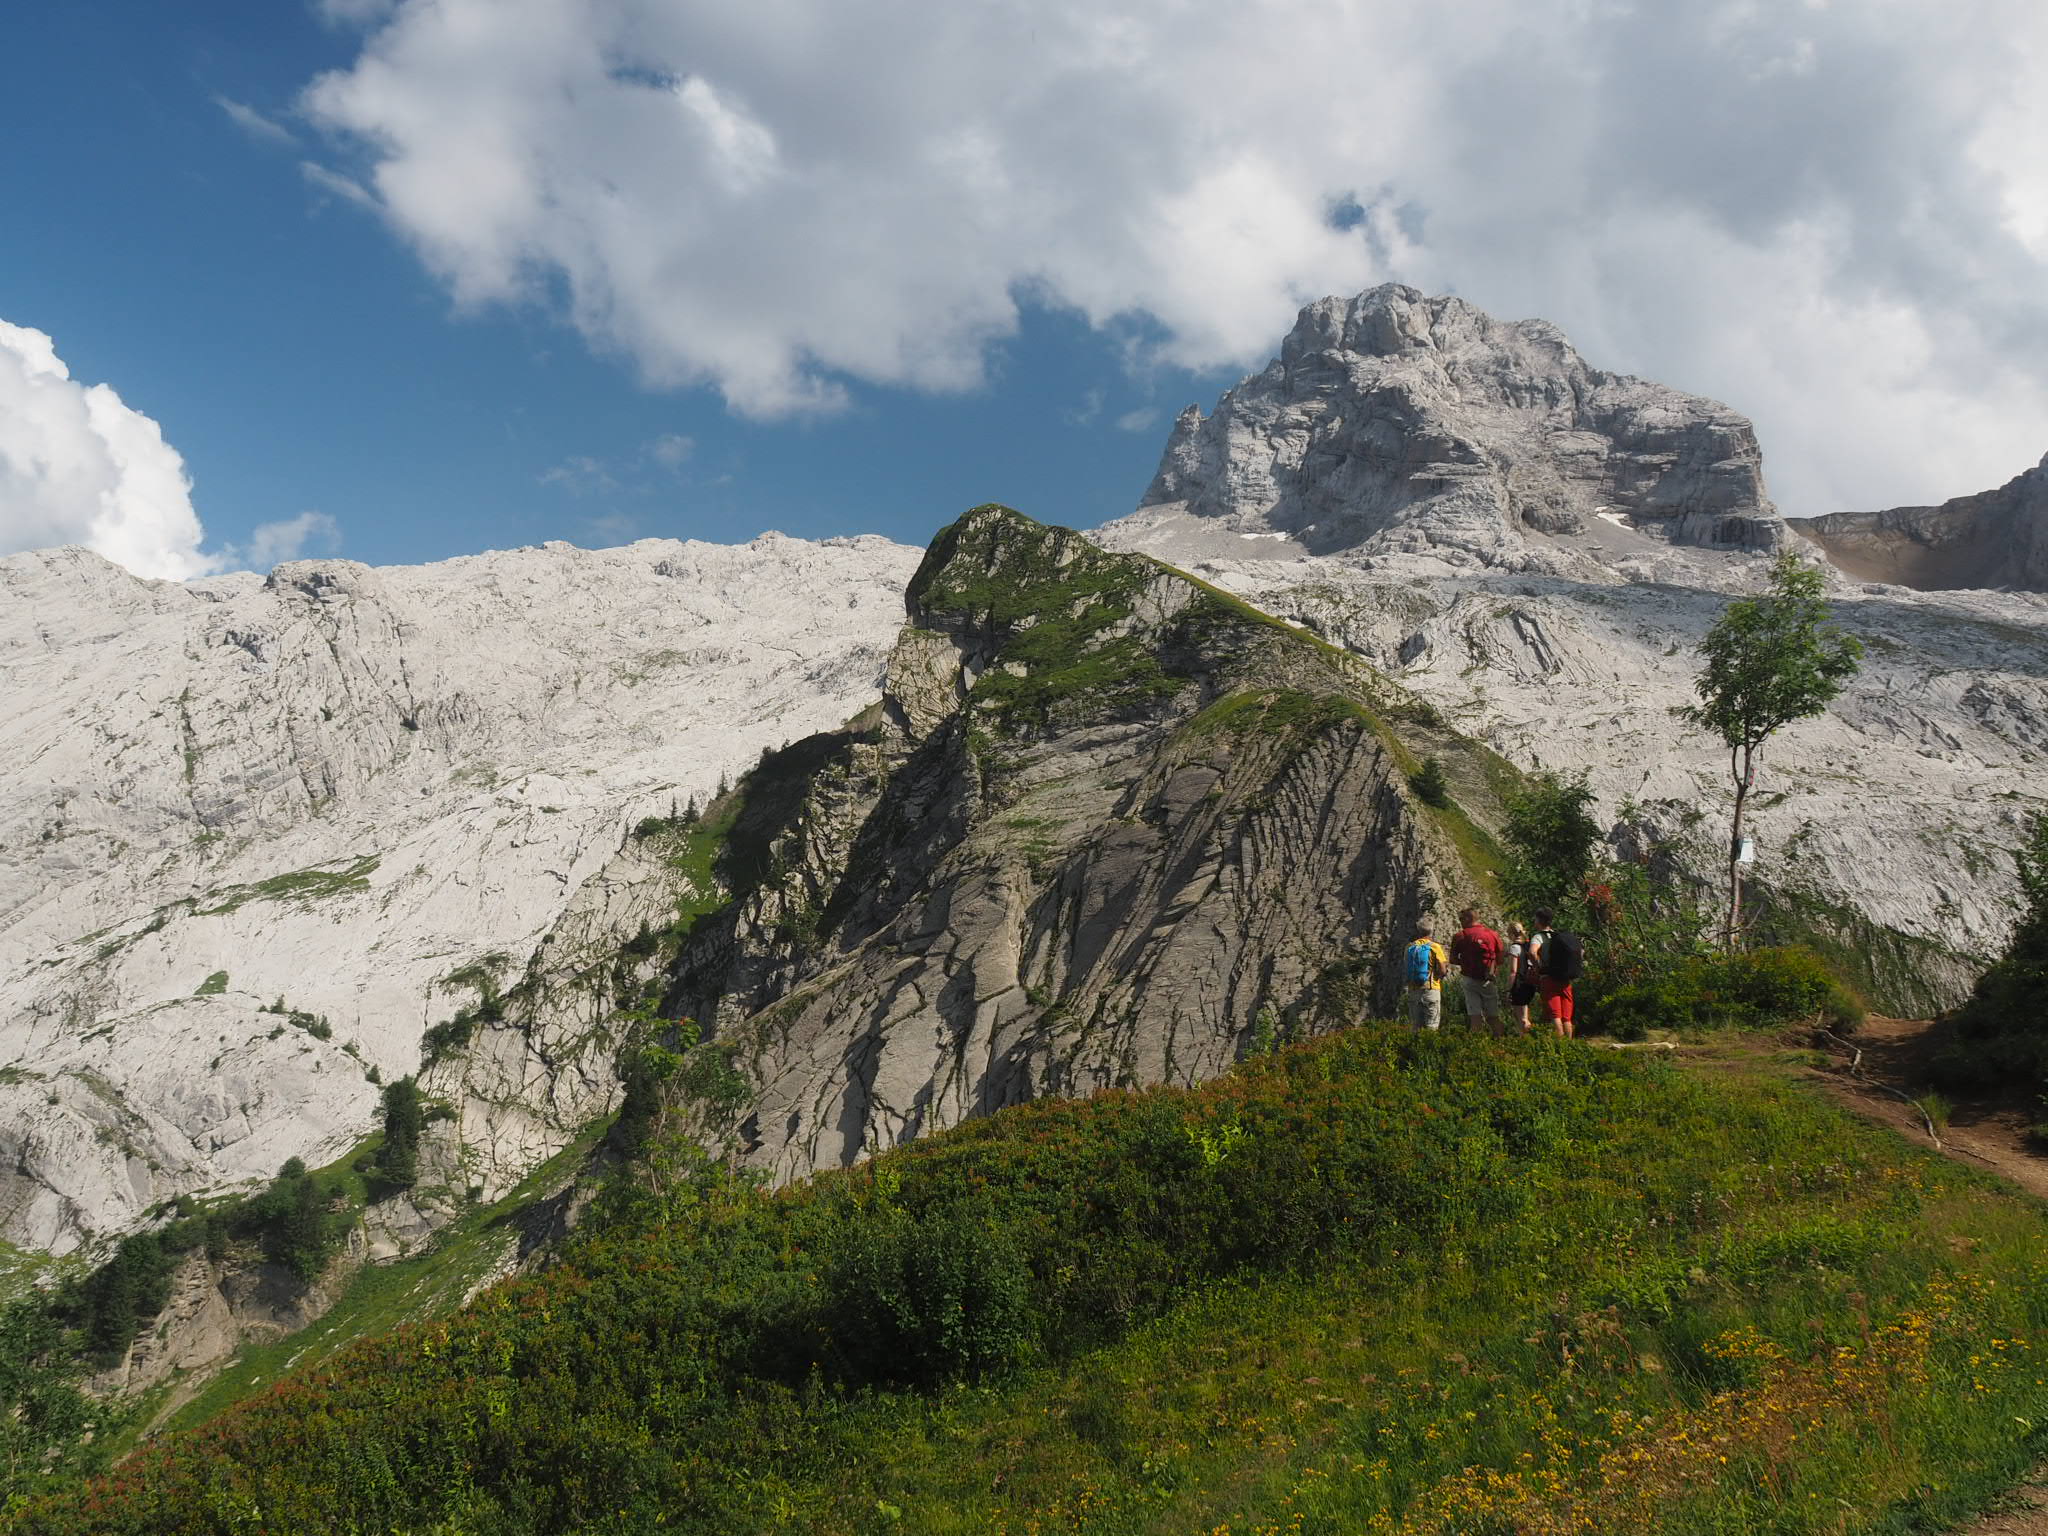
pixel 1856 1071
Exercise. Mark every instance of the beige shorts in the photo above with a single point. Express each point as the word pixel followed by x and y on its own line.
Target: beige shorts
pixel 1425 1007
pixel 1482 997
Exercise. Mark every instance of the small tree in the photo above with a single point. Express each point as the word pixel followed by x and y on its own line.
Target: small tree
pixel 1770 660
pixel 397 1165
pixel 1551 837
pixel 1429 783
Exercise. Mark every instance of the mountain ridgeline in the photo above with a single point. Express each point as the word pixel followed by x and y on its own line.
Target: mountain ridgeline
pixel 1106 827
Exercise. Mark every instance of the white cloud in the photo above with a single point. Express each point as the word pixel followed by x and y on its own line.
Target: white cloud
pixel 581 475
pixel 1144 419
pixel 287 539
pixel 337 184
pixel 77 466
pixel 671 450
pixel 1833 216
pixel 254 123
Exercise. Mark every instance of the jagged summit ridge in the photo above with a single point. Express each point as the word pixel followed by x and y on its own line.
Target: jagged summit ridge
pixel 1394 423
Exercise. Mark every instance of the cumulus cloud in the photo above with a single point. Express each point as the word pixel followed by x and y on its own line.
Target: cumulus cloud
pixel 78 466
pixel 1835 217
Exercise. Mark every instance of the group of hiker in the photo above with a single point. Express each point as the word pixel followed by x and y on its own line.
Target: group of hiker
pixel 1535 964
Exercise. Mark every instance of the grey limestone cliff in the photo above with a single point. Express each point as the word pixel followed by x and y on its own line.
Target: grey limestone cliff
pixel 1996 539
pixel 1395 423
pixel 1107 828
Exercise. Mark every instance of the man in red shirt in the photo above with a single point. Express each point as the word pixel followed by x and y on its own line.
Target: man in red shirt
pixel 1476 951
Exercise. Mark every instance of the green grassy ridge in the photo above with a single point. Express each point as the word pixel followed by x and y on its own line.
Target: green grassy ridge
pixel 1313 1295
pixel 1049 601
pixel 1048 597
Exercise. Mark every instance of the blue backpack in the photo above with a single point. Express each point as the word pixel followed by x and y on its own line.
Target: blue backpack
pixel 1422 965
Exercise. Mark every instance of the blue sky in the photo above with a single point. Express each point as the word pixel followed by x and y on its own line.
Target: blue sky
pixel 460 274
pixel 300 358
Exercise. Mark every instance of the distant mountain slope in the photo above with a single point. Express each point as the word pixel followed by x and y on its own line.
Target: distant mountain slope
pixel 341 787
pixel 1993 539
pixel 1534 547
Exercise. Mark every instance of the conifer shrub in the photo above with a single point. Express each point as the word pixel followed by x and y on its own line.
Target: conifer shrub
pixel 395 1167
pixel 1429 783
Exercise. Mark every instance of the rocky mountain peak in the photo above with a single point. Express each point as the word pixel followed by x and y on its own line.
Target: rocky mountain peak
pixel 1393 423
pixel 1394 320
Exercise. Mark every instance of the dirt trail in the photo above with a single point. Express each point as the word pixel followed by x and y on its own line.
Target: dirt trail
pixel 1990 1134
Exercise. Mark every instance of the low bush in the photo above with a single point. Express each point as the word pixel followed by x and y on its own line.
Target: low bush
pixel 930 1297
pixel 1429 783
pixel 1760 989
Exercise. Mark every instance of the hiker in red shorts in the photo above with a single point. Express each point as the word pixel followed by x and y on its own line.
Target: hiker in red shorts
pixel 1559 959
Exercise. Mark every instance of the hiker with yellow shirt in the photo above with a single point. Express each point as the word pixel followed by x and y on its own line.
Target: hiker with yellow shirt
pixel 1424 965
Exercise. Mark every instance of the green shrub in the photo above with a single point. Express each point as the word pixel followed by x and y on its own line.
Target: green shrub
pixel 927 1298
pixel 1761 989
pixel 1551 837
pixel 396 1164
pixel 1999 1037
pixel 294 1221
pixel 124 1294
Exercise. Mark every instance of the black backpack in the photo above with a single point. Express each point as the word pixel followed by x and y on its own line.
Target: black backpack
pixel 1564 956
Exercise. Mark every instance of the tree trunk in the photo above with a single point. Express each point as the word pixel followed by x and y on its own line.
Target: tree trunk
pixel 1743 778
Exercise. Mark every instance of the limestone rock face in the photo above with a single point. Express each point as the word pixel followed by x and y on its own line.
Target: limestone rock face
pixel 360 795
pixel 1995 539
pixel 1394 423
pixel 1535 548
pixel 1107 828
pixel 1886 828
